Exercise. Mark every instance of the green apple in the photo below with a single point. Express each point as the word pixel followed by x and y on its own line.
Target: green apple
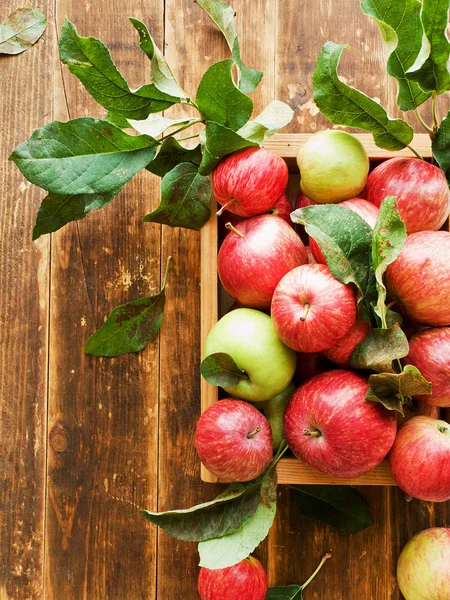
pixel 248 336
pixel 333 166
pixel 273 410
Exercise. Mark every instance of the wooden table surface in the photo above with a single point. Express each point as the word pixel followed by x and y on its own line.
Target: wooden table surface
pixel 85 442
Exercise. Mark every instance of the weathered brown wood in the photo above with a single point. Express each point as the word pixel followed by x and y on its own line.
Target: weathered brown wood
pixel 103 413
pixel 24 304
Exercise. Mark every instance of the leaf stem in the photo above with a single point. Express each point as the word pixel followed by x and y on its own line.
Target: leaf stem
pixel 164 137
pixel 434 112
pixel 192 103
pixel 189 137
pixel 415 152
pixel 320 565
pixel 422 122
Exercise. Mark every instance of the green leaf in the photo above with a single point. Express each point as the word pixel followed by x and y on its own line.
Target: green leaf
pixel 441 146
pixel 90 61
pixel 82 156
pixel 401 28
pixel 131 326
pixel 223 16
pixel 389 235
pixel 343 105
pixel 345 240
pixel 171 154
pixel 218 142
pixel 288 592
pixel 185 199
pixel 219 100
pixel 221 516
pixel 275 116
pixel 340 506
pixel 227 551
pixel 21 29
pixel 57 210
pixel 162 76
pixel 431 69
pixel 154 125
pixel 393 390
pixel 379 349
pixel 221 370
pixel 117 120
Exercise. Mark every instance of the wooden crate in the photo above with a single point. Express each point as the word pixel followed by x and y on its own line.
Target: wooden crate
pixel 289 470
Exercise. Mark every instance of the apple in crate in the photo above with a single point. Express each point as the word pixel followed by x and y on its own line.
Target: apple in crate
pixel 250 181
pixel 234 440
pixel 311 310
pixel 429 351
pixel 423 568
pixel 249 337
pixel 246 580
pixel 255 255
pixel 333 166
pixel 421 189
pixel 329 425
pixel 420 277
pixel 420 459
pixel 342 350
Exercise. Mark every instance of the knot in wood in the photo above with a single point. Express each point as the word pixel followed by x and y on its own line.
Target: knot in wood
pixel 59 439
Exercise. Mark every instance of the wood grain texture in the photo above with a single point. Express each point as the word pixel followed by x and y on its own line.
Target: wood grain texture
pixel 103 413
pixel 24 305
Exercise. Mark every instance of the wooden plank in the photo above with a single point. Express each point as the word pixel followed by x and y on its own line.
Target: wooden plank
pixel 292 471
pixel 24 304
pixel 103 413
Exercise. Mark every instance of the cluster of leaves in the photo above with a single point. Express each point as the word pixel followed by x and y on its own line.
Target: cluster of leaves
pixel 419 53
pixel 84 163
pixel 21 29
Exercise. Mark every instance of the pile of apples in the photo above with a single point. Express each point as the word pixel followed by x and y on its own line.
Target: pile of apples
pixel 293 326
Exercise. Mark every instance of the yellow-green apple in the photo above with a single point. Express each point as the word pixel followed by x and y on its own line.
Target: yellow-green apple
pixel 255 255
pixel 246 580
pixel 429 351
pixel 329 425
pixel 333 166
pixel 250 181
pixel 249 337
pixel 421 189
pixel 423 567
pixel 420 459
pixel 273 410
pixel 234 440
pixel 420 277
pixel 311 310
pixel 342 350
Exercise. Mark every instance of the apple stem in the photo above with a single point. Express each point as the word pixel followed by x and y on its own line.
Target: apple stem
pixel 220 211
pixel 315 433
pixel 305 312
pixel 443 429
pixel 251 434
pixel 233 229
pixel 320 565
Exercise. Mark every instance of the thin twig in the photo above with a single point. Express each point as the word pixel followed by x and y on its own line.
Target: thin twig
pixel 422 122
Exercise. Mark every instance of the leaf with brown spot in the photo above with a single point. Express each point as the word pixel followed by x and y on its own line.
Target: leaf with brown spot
pixel 21 30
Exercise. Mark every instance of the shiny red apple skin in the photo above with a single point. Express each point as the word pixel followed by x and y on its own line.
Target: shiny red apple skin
pixel 420 277
pixel 303 201
pixel 340 353
pixel 423 568
pixel 355 435
pixel 330 315
pixel 365 209
pixel 234 440
pixel 250 267
pixel 420 459
pixel 246 580
pixel 421 189
pixel 250 181
pixel 429 351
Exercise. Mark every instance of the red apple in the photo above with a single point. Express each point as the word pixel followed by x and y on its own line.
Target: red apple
pixel 329 425
pixel 311 310
pixel 303 201
pixel 250 181
pixel 245 581
pixel 423 568
pixel 342 350
pixel 421 189
pixel 365 209
pixel 429 351
pixel 420 277
pixel 420 459
pixel 255 255
pixel 234 440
